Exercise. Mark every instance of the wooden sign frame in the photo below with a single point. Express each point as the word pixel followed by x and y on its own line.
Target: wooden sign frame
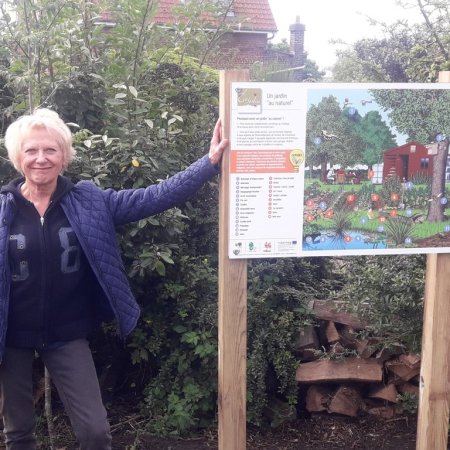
pixel 232 399
pixel 434 392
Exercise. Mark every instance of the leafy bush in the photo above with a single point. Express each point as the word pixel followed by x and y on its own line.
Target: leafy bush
pixel 364 195
pixel 341 222
pixel 418 196
pixel 182 318
pixel 409 402
pixel 398 229
pixel 391 186
pixel 81 99
pixel 388 292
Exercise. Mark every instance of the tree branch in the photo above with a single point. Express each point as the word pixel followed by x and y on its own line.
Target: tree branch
pixel 432 29
pixel 141 39
pixel 218 32
pixel 19 45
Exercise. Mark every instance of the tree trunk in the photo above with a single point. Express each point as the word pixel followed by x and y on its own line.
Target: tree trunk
pixel 323 169
pixel 436 208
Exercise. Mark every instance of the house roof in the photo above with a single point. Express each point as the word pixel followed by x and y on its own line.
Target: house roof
pixel 256 15
pixel 405 148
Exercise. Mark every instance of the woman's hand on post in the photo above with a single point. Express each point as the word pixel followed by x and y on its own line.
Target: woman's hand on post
pixel 218 144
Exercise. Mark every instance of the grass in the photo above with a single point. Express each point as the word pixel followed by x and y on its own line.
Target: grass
pixel 360 222
pixel 346 217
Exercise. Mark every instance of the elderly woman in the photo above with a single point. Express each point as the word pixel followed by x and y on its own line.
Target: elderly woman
pixel 62 270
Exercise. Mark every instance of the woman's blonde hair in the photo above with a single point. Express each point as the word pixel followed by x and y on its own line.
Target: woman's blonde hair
pixel 40 118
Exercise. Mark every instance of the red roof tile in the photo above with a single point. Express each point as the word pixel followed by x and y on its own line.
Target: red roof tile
pixel 256 15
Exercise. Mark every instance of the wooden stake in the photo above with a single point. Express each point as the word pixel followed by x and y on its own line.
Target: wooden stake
pixel 432 425
pixel 232 304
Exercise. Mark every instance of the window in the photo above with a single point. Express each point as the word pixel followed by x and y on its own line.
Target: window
pixel 424 163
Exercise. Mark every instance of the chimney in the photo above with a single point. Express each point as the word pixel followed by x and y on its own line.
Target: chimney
pixel 297 42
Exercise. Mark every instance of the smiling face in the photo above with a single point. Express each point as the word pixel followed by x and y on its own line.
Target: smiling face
pixel 41 158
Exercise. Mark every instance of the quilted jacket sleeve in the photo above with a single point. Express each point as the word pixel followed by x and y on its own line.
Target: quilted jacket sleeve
pixel 134 204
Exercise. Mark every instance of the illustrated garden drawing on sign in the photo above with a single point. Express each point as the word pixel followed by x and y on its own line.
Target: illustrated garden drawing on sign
pixel 377 171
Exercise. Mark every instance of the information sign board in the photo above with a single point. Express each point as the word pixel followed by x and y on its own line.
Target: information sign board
pixel 338 169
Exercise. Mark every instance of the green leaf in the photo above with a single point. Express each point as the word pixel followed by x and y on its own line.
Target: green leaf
pixel 133 91
pixel 191 337
pixel 166 257
pixel 160 268
pixel 115 101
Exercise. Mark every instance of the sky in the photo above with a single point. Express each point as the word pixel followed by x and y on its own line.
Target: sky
pixel 335 19
pixel 358 98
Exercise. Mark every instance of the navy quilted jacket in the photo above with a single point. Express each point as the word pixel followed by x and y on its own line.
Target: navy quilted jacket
pixel 93 214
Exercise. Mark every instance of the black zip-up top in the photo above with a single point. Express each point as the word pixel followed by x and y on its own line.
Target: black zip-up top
pixel 53 288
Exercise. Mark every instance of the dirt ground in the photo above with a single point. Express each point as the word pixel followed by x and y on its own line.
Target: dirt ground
pixel 320 432
pixel 437 240
pixel 317 432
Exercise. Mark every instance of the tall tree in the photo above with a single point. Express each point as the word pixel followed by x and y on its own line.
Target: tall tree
pixel 330 137
pixel 376 135
pixel 424 116
pixel 378 60
pixel 405 53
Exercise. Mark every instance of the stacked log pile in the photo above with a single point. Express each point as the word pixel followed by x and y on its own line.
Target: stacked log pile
pixel 357 375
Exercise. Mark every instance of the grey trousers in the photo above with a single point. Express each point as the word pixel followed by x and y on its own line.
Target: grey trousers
pixel 73 372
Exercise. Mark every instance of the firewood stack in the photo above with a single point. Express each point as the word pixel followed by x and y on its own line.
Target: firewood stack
pixel 357 376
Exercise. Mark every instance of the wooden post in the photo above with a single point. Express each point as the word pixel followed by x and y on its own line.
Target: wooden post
pixel 432 425
pixel 232 304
